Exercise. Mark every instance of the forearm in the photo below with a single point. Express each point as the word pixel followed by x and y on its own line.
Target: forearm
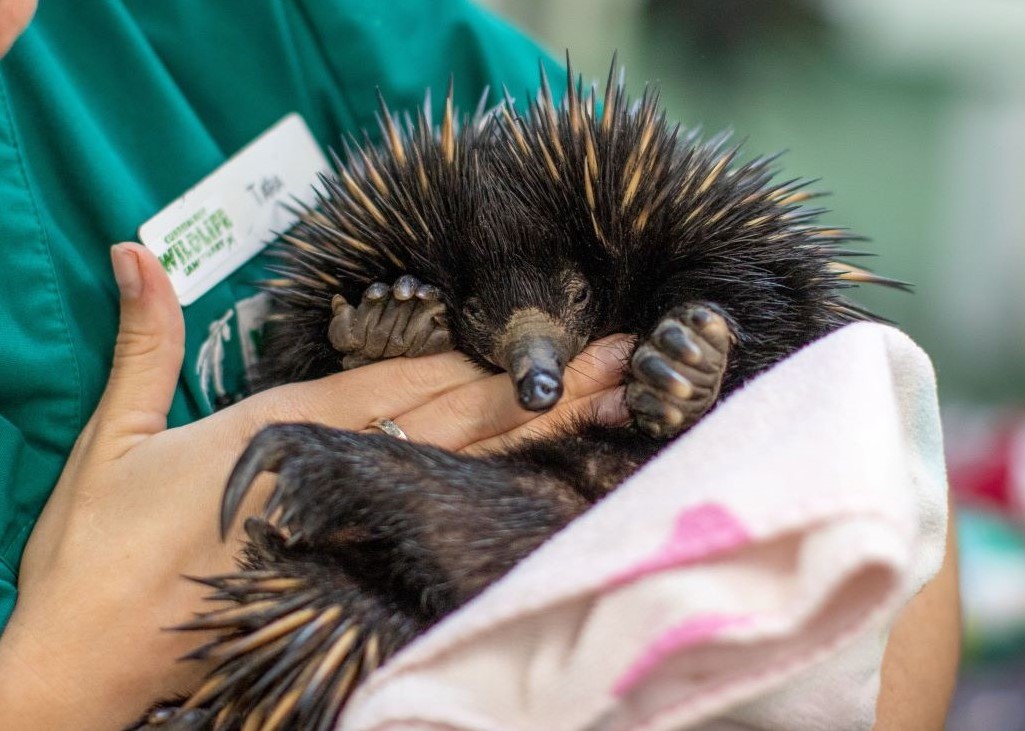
pixel 920 665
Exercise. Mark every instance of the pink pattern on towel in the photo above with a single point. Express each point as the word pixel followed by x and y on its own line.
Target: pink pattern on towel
pixel 694 631
pixel 699 532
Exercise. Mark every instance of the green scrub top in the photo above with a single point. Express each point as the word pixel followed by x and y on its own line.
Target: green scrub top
pixel 110 110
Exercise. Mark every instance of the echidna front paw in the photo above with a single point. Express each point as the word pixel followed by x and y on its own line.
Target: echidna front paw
pixel 405 319
pixel 677 373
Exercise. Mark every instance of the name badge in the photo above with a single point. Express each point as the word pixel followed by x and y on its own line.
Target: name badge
pixel 233 213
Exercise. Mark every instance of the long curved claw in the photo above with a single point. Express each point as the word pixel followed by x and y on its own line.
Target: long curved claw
pixel 265 453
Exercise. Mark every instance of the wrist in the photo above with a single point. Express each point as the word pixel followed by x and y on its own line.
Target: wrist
pixel 59 671
pixel 32 695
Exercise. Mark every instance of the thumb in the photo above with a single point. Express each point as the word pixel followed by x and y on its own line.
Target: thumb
pixel 149 349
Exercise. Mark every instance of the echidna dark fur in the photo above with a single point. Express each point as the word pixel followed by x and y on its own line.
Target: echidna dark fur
pixel 517 240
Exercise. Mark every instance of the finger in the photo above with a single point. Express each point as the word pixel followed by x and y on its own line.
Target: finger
pixel 351 399
pixel 489 408
pixel 605 407
pixel 599 366
pixel 148 352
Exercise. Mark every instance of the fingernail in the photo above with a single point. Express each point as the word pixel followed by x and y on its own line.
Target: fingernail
pixel 126 271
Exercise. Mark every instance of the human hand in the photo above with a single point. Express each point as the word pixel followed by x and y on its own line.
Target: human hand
pixel 137 504
pixel 14 17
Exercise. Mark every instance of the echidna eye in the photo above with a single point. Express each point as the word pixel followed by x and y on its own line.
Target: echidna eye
pixel 472 310
pixel 582 294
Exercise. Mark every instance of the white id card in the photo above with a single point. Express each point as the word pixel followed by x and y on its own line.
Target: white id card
pixel 233 213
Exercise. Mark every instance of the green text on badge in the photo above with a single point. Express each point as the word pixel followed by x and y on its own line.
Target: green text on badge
pixel 201 236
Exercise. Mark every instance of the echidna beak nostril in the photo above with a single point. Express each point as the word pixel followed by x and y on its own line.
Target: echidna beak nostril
pixel 534 347
pixel 539 390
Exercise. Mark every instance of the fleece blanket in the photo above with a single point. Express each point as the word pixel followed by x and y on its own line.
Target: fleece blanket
pixel 744 579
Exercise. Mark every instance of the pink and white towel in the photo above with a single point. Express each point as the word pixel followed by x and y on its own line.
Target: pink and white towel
pixel 745 579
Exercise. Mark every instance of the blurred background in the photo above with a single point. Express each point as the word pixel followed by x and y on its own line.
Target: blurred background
pixel 913 115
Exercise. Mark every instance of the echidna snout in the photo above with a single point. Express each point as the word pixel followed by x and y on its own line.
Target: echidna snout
pixel 540 386
pixel 534 348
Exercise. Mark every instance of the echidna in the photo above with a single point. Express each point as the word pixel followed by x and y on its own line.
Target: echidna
pixel 517 240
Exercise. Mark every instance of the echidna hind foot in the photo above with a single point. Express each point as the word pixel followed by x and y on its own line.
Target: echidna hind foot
pixel 405 319
pixel 364 543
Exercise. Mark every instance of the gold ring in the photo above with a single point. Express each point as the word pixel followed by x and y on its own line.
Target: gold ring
pixel 389 427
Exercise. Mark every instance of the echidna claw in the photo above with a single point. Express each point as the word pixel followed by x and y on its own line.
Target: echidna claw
pixel 175 718
pixel 376 292
pixel 265 453
pixel 405 287
pixel 428 293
